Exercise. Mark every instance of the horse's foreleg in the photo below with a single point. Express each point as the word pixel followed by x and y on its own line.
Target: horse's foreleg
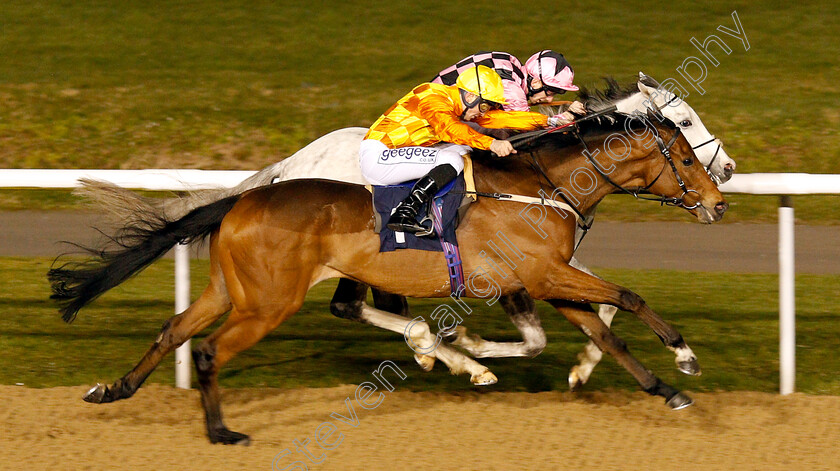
pixel 571 283
pixel 349 299
pixel 426 345
pixel 523 313
pixel 591 354
pixel 585 319
pixel 210 306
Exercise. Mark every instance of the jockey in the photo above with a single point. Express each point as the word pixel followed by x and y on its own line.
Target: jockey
pixel 424 136
pixel 545 74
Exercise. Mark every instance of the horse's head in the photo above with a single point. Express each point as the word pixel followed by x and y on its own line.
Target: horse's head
pixel 672 171
pixel 709 150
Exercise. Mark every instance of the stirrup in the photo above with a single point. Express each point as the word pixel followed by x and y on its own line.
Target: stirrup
pixel 427 232
pixel 423 230
pixel 430 228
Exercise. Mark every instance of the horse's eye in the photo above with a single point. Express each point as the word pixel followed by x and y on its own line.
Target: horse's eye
pixel 685 123
pixel 688 161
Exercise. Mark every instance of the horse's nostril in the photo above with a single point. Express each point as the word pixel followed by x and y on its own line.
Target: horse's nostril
pixel 728 169
pixel 721 207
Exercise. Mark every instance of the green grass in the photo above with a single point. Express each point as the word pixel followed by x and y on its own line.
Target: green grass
pixel 730 320
pixel 239 85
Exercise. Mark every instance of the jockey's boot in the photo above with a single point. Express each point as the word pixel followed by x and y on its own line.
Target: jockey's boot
pixel 404 218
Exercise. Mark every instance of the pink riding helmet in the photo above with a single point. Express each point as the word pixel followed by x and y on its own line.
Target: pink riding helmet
pixel 553 70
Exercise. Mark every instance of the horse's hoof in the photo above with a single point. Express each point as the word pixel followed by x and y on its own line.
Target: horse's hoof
pixel 575 382
pixel 95 394
pixel 426 362
pixel 679 401
pixel 229 437
pixel 484 379
pixel 690 367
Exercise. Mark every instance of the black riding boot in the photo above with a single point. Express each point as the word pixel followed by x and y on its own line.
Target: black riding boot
pixel 404 218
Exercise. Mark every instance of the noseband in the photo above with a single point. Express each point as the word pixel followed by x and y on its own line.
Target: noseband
pixel 715 178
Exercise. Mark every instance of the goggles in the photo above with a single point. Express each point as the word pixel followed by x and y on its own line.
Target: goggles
pixel 483 104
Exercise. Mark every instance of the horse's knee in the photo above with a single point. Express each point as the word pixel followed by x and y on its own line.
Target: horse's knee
pixel 618 343
pixel 612 341
pixel 535 342
pixel 351 310
pixel 533 350
pixel 630 301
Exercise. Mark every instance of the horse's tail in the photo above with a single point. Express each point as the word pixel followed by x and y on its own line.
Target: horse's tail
pixel 133 248
pixel 123 206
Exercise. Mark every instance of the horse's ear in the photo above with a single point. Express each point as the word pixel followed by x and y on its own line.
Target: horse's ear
pixel 648 91
pixel 647 84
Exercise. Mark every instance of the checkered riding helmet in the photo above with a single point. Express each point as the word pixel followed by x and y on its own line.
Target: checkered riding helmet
pixel 553 70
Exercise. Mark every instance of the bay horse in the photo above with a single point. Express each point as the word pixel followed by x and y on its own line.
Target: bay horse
pixel 335 157
pixel 270 245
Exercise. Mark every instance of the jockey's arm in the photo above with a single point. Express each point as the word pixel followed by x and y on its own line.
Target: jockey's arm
pixel 518 120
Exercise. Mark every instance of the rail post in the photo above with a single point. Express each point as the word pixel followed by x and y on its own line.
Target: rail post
pixel 182 302
pixel 787 299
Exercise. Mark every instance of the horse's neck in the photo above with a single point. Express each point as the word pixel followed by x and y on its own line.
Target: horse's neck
pixel 573 180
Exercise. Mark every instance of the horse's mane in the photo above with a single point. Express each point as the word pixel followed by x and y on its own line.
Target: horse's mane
pixel 595 100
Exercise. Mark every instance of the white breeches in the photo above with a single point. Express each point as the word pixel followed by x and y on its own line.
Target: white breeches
pixel 383 166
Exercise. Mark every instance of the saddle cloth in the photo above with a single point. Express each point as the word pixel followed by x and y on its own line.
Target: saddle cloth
pixel 386 198
pixel 451 202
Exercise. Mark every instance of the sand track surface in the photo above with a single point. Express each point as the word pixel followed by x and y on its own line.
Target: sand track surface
pixel 161 428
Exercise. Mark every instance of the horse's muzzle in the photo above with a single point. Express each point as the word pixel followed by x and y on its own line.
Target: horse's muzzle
pixel 716 213
pixel 710 215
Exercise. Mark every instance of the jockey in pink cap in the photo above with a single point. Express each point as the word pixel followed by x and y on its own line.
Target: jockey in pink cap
pixel 545 74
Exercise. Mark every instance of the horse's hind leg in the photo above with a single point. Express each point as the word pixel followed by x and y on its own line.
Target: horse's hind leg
pixel 240 331
pixel 427 345
pixel 398 305
pixel 390 302
pixel 348 302
pixel 211 305
pixel 584 318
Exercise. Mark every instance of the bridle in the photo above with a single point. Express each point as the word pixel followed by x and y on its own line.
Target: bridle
pixel 639 193
pixel 708 168
pixel 715 178
pixel 642 192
